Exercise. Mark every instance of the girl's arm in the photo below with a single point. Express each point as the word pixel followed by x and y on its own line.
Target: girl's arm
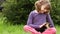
pixel 30 21
pixel 50 20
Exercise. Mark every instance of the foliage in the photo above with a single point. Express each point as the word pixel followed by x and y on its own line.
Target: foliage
pixel 17 11
pixel 55 12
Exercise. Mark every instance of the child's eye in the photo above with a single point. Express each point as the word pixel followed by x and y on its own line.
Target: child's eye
pixel 47 8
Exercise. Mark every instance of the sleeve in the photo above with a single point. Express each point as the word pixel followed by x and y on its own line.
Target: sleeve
pixel 50 20
pixel 30 21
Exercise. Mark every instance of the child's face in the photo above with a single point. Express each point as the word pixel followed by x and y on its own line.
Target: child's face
pixel 43 9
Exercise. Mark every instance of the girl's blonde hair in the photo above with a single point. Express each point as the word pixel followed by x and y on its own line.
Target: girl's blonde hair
pixel 39 3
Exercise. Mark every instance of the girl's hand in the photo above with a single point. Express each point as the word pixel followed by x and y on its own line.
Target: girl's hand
pixel 47 25
pixel 42 25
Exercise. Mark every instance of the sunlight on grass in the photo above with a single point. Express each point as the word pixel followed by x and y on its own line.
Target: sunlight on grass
pixel 11 29
pixel 58 29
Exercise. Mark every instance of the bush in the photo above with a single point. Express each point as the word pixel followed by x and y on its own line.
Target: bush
pixel 17 11
pixel 55 12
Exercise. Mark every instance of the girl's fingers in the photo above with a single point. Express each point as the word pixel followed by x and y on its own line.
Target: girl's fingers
pixel 42 25
pixel 47 25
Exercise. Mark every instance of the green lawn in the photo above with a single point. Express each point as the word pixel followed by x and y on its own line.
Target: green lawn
pixel 58 29
pixel 10 29
pixel 15 29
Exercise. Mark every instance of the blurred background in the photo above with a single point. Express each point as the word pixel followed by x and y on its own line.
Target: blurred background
pixel 14 15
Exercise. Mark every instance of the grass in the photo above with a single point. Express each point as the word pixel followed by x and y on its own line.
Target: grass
pixel 10 29
pixel 58 29
pixel 15 29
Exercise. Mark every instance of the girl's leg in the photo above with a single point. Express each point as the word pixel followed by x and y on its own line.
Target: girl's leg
pixel 30 29
pixel 50 31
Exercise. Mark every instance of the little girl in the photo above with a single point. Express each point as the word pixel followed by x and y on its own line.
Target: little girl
pixel 39 20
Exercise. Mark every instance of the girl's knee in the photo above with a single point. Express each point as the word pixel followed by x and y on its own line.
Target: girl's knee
pixel 26 27
pixel 53 30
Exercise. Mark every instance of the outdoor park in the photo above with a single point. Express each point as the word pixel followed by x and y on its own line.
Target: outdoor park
pixel 14 15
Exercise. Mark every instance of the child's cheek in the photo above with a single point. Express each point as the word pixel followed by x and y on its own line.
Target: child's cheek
pixel 42 7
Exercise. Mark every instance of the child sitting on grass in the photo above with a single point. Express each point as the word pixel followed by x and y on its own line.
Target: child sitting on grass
pixel 39 20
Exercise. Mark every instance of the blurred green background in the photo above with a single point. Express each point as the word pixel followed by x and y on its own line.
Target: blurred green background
pixel 14 14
